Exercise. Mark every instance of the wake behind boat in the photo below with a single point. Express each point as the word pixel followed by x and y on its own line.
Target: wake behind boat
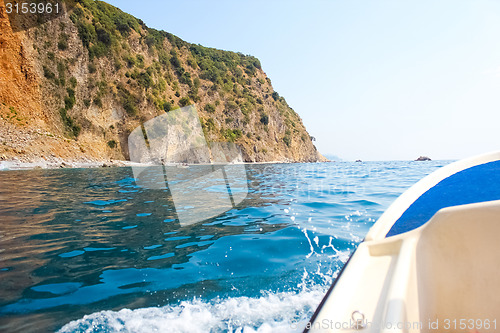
pixel 429 264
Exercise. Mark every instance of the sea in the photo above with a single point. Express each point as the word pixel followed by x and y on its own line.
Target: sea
pixel 97 250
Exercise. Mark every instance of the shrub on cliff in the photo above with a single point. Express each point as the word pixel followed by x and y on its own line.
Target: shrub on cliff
pixel 167 106
pixel 209 108
pixel 287 140
pixel 231 134
pixel 70 100
pixel 63 42
pixel 48 73
pixel 127 99
pixel 86 32
pixel 174 60
pixel 145 80
pixel 69 123
pixel 264 119
pixel 103 36
pixel 184 101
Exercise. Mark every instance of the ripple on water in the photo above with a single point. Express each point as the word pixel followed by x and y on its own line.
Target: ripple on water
pixel 163 256
pixel 152 247
pixel 94 249
pixel 130 227
pixel 58 288
pixel 143 214
pixel 71 254
pixel 104 202
pixel 177 238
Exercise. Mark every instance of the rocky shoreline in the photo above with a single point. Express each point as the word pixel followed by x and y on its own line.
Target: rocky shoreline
pixel 58 163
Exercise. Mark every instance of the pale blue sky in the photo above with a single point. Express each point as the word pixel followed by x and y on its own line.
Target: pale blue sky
pixel 372 80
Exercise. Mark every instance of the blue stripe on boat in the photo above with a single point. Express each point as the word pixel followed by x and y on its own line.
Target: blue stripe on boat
pixel 477 184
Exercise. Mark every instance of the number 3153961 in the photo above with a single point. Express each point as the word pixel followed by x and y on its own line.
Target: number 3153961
pixel 32 8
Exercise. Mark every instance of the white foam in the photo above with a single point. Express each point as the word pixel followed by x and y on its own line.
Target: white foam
pixel 272 312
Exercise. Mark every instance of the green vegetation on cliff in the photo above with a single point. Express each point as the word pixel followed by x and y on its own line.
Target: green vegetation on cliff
pixel 104 29
pixel 107 72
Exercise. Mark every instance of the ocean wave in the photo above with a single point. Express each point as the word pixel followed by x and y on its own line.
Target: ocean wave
pixel 271 312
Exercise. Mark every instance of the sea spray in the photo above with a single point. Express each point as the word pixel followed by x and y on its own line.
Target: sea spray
pixel 272 312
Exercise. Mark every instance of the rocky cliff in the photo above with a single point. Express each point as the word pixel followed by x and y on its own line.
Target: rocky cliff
pixel 76 87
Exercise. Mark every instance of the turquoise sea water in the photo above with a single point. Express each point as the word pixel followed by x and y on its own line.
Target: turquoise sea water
pixel 89 250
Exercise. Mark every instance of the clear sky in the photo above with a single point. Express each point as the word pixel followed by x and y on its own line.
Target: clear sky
pixel 372 80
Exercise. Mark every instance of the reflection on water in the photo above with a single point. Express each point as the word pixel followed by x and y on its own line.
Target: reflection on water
pixel 77 241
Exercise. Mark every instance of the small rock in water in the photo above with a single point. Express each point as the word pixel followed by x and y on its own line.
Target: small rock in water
pixel 359 161
pixel 423 158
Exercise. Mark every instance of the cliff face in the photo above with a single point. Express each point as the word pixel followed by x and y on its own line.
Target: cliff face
pixel 78 85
